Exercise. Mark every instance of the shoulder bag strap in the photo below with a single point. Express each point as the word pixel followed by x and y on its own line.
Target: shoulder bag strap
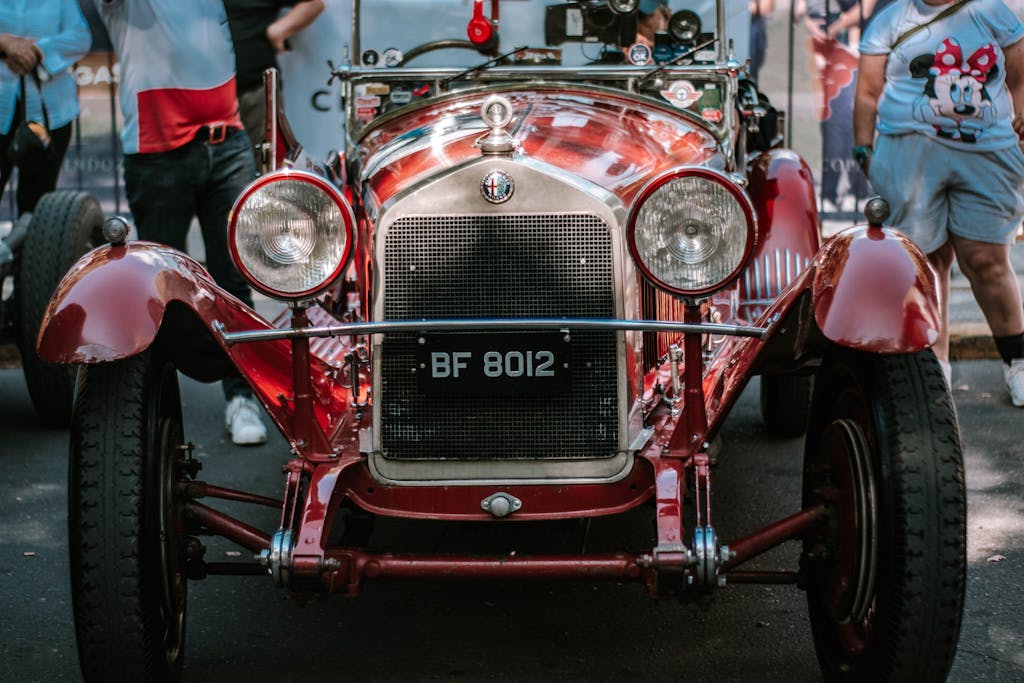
pixel 23 100
pixel 22 104
pixel 952 9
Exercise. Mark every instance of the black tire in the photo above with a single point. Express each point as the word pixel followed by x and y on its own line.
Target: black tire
pixel 885 576
pixel 65 225
pixel 786 403
pixel 128 577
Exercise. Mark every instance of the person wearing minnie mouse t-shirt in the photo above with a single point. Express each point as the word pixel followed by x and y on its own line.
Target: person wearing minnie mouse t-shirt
pixel 186 154
pixel 939 83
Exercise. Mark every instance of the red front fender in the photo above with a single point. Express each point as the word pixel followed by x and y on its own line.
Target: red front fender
pixel 115 301
pixel 110 305
pixel 874 290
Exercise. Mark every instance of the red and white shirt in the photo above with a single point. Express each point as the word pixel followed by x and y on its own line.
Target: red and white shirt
pixel 177 70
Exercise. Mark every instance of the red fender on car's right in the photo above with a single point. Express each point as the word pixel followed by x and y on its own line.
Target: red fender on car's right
pixel 874 291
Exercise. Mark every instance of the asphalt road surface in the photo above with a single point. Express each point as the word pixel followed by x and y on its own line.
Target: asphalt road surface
pixel 244 629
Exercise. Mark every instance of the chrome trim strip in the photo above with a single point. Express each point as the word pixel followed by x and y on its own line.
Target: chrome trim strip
pixel 483 325
pixel 757 279
pixel 757 282
pixel 491 473
pixel 641 438
pixel 779 286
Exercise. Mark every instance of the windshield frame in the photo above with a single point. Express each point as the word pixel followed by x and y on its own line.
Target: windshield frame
pixel 720 30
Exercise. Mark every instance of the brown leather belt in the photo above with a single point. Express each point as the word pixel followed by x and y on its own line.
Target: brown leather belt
pixel 214 133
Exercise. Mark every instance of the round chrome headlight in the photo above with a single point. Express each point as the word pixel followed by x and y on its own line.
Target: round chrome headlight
pixel 691 231
pixel 291 234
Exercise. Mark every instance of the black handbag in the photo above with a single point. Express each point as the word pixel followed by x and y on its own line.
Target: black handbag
pixel 30 146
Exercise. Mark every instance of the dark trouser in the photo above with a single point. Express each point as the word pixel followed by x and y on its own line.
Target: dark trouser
pixel 252 107
pixel 166 190
pixel 39 179
pixel 758 44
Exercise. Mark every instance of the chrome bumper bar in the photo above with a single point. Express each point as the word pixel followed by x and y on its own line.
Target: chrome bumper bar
pixel 484 325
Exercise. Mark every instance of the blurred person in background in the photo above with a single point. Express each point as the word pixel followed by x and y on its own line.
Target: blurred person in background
pixel 652 19
pixel 760 12
pixel 185 153
pixel 936 130
pixel 39 42
pixel 833 74
pixel 260 30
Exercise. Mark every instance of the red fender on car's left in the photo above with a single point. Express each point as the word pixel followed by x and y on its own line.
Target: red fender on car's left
pixel 111 304
pixel 874 291
pixel 115 301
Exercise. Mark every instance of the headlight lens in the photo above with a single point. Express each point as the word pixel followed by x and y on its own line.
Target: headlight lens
pixel 691 231
pixel 291 234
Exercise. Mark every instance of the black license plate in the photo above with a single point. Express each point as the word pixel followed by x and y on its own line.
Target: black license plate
pixel 529 363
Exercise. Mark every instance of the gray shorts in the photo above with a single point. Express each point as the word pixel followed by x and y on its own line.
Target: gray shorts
pixel 935 190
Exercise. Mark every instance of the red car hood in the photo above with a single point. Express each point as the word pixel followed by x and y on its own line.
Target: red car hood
pixel 614 142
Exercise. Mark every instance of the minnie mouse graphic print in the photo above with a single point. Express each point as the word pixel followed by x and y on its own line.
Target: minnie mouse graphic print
pixel 947 80
pixel 955 100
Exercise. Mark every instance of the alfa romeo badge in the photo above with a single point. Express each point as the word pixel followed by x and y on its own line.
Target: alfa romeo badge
pixel 497 187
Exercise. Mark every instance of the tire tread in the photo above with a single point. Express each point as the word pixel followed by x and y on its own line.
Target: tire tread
pixel 113 611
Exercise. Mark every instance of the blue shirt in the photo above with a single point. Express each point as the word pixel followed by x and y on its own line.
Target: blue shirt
pixel 64 37
pixel 947 81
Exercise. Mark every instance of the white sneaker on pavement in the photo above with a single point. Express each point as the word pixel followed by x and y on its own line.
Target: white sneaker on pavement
pixel 242 418
pixel 1014 373
pixel 947 373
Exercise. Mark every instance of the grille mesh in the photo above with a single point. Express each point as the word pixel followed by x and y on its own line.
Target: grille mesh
pixel 499 266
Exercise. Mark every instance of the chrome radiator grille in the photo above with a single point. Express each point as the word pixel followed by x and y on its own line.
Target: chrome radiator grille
pixel 499 266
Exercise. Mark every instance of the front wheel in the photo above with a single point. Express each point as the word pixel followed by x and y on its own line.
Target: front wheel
pixel 885 575
pixel 128 579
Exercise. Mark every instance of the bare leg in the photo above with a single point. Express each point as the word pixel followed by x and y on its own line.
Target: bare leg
pixel 942 262
pixel 994 283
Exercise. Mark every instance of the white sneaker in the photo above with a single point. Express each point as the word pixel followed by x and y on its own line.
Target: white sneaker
pixel 1014 373
pixel 242 418
pixel 947 373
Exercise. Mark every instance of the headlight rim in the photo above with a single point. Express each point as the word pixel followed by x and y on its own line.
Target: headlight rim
pixel 344 207
pixel 730 186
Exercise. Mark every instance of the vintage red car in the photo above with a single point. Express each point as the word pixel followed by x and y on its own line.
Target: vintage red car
pixel 530 288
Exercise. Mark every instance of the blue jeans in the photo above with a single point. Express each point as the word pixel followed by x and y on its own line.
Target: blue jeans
pixel 758 44
pixel 166 190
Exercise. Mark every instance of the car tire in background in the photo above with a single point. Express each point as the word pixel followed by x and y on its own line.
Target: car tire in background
pixel 885 574
pixel 129 582
pixel 65 225
pixel 786 403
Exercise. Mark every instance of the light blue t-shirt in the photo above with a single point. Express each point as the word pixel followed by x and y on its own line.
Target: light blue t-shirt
pixel 948 80
pixel 63 36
